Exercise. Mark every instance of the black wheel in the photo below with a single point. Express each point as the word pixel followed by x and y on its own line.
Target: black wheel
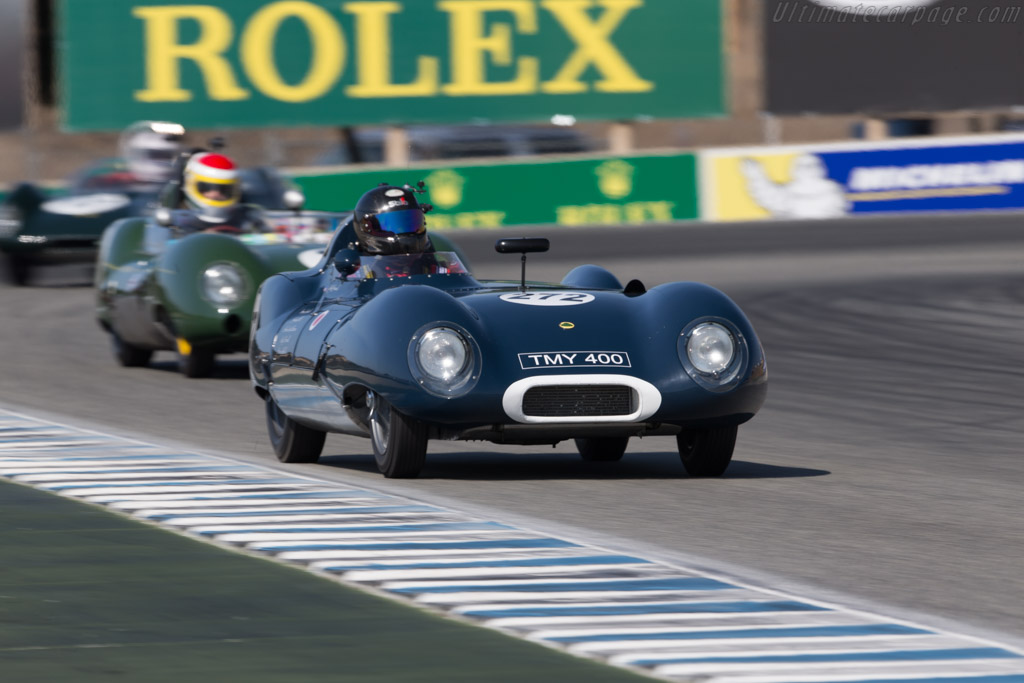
pixel 198 363
pixel 706 452
pixel 603 450
pixel 129 355
pixel 399 442
pixel 19 270
pixel 292 442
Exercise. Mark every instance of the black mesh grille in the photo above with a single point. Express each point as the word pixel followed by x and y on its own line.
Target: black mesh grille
pixel 593 400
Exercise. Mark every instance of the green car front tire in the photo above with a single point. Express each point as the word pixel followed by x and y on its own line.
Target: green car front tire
pixel 198 363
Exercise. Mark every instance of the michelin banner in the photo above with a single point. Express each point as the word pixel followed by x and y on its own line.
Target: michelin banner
pixel 831 181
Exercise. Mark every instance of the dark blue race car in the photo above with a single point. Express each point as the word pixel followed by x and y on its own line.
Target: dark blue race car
pixel 408 348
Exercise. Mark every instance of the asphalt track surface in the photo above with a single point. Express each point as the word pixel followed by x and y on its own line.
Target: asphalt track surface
pixel 883 473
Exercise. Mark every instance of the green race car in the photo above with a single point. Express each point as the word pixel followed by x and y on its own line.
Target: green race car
pixel 164 282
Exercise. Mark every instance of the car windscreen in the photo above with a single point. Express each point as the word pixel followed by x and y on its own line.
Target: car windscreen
pixel 410 265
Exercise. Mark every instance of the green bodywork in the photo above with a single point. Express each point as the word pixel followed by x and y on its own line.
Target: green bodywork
pixel 149 284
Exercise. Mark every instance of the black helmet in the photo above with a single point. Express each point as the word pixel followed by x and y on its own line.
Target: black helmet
pixel 389 220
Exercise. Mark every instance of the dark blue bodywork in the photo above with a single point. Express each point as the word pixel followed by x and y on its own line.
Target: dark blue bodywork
pixel 320 342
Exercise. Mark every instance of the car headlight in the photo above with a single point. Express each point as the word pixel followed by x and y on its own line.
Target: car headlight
pixel 710 348
pixel 713 353
pixel 444 360
pixel 224 284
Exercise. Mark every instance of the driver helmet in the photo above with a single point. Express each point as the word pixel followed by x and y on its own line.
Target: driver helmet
pixel 211 185
pixel 389 220
pixel 149 149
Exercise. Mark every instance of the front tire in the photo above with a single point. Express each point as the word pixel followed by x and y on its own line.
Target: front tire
pixel 129 355
pixel 399 442
pixel 292 442
pixel 19 270
pixel 706 452
pixel 602 450
pixel 198 363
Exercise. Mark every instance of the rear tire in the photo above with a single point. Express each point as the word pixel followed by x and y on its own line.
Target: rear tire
pixel 602 450
pixel 199 363
pixel 706 452
pixel 292 442
pixel 129 355
pixel 399 442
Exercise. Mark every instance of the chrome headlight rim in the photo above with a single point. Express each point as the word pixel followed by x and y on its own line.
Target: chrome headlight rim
pixel 729 376
pixel 242 290
pixel 463 382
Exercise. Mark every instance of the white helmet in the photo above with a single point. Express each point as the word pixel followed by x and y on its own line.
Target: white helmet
pixel 211 185
pixel 149 149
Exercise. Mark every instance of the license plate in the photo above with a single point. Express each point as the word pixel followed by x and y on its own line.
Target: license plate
pixel 574 359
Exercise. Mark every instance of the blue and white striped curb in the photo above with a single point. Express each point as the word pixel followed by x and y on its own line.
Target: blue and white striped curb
pixel 669 621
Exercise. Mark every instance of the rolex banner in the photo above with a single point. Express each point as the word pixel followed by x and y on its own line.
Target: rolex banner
pixel 878 56
pixel 224 63
pixel 607 191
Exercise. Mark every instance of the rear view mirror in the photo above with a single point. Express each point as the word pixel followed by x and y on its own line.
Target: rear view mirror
pixel 162 216
pixel 522 245
pixel 346 261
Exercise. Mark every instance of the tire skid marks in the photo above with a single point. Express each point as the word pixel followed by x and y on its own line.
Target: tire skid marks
pixel 591 602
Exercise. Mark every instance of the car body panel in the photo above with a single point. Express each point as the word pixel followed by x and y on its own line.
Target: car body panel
pixel 149 283
pixel 320 341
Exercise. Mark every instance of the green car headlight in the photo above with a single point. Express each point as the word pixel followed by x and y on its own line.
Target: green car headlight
pixel 224 284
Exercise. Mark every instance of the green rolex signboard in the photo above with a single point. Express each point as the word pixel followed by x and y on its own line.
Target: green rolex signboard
pixel 604 191
pixel 334 62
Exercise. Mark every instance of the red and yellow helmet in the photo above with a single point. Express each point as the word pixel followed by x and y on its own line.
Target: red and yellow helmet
pixel 211 185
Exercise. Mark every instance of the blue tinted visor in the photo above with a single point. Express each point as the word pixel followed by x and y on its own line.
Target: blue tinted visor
pixel 402 222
